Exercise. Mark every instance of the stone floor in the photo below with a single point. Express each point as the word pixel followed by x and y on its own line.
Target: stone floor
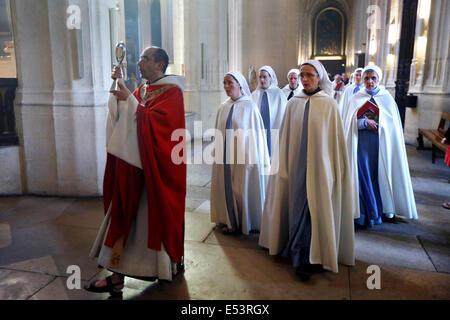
pixel 40 237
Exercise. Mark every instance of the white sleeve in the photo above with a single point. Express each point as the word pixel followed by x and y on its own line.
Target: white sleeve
pixel 121 130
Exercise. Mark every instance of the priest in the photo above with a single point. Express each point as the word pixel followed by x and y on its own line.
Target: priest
pixel 294 86
pixel 271 102
pixel 308 213
pixel 144 189
pixel 376 146
pixel 351 89
pixel 239 172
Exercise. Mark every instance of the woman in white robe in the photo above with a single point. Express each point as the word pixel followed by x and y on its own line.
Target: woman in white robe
pixel 378 155
pixel 271 103
pixel 294 86
pixel 352 88
pixel 238 184
pixel 308 213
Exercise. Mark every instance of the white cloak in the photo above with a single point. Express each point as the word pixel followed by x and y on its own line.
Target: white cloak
pixel 328 183
pixel 277 104
pixel 287 90
pixel 348 93
pixel 249 178
pixel 393 171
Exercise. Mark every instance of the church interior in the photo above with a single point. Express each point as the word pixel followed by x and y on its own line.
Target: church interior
pixel 56 58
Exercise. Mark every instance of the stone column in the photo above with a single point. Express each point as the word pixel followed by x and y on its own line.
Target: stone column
pixel 177 67
pixel 206 58
pixel 63 90
pixel 430 68
pixel 235 35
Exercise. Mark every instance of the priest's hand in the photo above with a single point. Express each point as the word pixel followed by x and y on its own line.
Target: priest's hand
pixel 123 93
pixel 116 73
pixel 372 125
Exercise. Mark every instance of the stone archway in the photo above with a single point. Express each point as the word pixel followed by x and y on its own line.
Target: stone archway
pixel 329 26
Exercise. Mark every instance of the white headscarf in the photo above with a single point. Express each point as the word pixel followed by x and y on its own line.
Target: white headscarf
pixel 352 76
pixel 296 71
pixel 324 82
pixel 241 80
pixel 376 69
pixel 272 74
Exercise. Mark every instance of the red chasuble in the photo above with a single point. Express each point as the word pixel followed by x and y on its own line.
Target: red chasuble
pixel 158 115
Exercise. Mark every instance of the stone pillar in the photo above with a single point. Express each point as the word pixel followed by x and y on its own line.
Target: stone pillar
pixel 206 58
pixel 429 79
pixel 392 45
pixel 144 24
pixel 177 67
pixel 63 90
pixel 359 26
pixel 235 35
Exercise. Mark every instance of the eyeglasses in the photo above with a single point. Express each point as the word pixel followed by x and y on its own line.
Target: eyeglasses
pixel 308 75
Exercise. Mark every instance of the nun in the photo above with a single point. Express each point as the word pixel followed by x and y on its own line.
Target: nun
pixel 308 213
pixel 271 103
pixel 294 86
pixel 377 154
pixel 241 163
pixel 352 88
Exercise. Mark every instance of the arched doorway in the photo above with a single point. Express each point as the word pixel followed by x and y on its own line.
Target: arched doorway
pixel 329 25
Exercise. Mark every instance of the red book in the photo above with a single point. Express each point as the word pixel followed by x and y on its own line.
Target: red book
pixel 368 110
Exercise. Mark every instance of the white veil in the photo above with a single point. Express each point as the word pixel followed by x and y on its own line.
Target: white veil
pixel 324 83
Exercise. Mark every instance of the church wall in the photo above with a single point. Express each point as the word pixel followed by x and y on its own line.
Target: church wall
pixel 60 105
pixel 206 58
pixel 270 35
pixel 429 79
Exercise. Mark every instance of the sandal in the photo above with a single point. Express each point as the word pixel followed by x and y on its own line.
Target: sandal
pixel 446 205
pixel 110 287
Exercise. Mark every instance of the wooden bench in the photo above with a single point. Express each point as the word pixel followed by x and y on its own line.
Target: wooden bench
pixel 435 137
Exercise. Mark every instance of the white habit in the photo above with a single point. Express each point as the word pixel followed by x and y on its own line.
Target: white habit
pixel 248 177
pixel 287 90
pixel 348 93
pixel 277 99
pixel 328 184
pixel 393 171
